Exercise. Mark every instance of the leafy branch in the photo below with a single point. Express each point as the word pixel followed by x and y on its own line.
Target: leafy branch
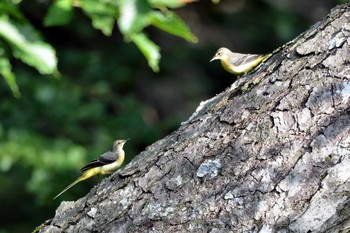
pixel 19 39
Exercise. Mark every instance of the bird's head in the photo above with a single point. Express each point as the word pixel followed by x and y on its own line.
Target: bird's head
pixel 221 54
pixel 119 144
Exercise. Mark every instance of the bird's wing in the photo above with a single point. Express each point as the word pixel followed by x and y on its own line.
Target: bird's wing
pixel 108 157
pixel 104 159
pixel 241 59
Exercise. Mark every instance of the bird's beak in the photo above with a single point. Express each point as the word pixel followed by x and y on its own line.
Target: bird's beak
pixel 124 141
pixel 214 58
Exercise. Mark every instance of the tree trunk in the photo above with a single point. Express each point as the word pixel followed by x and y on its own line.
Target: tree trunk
pixel 270 154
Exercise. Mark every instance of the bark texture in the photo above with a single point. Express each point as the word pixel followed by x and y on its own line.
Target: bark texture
pixel 270 154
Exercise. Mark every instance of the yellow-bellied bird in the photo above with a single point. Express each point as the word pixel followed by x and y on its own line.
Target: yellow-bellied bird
pixel 105 164
pixel 237 63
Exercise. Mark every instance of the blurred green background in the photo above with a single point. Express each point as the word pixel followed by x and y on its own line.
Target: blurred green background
pixel 104 88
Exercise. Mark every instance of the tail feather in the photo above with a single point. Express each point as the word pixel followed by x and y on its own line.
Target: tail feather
pixel 68 187
pixel 86 175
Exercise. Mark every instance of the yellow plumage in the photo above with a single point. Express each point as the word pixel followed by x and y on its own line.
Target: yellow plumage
pixel 105 164
pixel 237 63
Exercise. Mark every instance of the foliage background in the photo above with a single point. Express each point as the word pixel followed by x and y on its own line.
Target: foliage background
pixel 105 90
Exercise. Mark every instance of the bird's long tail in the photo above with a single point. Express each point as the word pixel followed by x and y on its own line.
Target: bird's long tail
pixel 68 187
pixel 84 176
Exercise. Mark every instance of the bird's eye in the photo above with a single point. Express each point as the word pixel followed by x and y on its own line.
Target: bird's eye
pixel 219 54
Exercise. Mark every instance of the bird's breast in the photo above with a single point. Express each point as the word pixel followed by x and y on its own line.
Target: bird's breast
pixel 109 168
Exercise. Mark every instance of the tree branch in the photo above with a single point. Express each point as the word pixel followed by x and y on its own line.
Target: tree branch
pixel 270 154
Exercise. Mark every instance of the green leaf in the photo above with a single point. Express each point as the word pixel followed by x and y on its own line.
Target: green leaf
pixel 6 72
pixel 10 8
pixel 105 24
pixel 134 16
pixel 172 24
pixel 167 3
pixel 102 14
pixel 149 49
pixel 59 13
pixel 35 53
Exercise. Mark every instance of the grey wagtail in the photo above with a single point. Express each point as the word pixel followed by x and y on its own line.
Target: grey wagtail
pixel 107 163
pixel 237 63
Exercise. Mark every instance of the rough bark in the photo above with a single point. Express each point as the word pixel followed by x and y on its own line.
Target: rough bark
pixel 270 154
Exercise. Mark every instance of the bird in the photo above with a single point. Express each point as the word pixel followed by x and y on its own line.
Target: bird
pixel 237 63
pixel 106 163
